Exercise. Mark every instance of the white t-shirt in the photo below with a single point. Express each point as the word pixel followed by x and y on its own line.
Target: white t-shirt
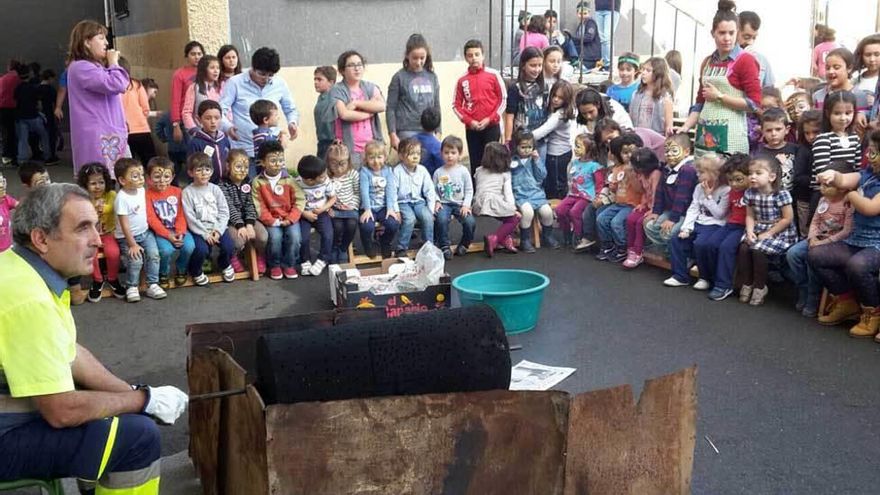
pixel 133 206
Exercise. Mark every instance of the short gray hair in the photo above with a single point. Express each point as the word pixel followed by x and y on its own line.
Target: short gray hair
pixel 41 209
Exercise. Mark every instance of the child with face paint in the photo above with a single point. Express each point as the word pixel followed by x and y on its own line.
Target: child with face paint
pixel 795 106
pixel 415 194
pixel 706 215
pixel 207 217
pixel 723 244
pixel 244 225
pixel 7 204
pixel 627 69
pixel 378 201
pixel 168 222
pixel 527 173
pixel 346 185
pixel 831 223
pixel 676 189
pixel 770 227
pixel 525 97
pixel 95 178
pixel 624 186
pixel 809 127
pixel 584 177
pixel 647 168
pixel 848 268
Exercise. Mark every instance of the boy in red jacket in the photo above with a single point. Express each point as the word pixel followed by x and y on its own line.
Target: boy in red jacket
pixel 480 97
pixel 279 203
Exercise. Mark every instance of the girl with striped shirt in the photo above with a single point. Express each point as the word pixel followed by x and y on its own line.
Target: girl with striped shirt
pixel 838 141
pixel 346 184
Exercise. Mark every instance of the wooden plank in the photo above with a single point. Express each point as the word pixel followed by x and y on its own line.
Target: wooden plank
pixel 618 448
pixel 204 419
pixel 481 443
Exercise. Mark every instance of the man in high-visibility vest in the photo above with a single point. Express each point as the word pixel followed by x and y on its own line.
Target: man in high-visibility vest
pixel 62 413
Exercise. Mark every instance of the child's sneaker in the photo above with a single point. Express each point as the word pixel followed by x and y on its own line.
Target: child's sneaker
pixel 95 291
pixel 261 264
pixel 702 284
pixel 317 268
pixel 155 292
pixel 229 274
pixel 617 256
pixel 605 254
pixel 507 243
pixel 447 253
pixel 632 260
pixel 201 279
pixel 289 272
pixel 758 296
pixel 719 294
pixel 132 295
pixel 164 281
pixel 461 250
pixel 745 294
pixel 275 273
pixel 236 265
pixel 306 268
pixel 583 245
pixel 118 289
pixel 674 282
pixel 180 280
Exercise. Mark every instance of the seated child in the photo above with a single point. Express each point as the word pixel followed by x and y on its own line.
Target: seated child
pixel 33 175
pixel 347 186
pixel 705 216
pixel 264 114
pixel 432 158
pixel 279 204
pixel 623 184
pixel 415 194
pixel 647 167
pixel 832 222
pixel 176 150
pixel 378 201
pixel 582 172
pixel 494 197
pixel 455 193
pixel 527 174
pixel 167 220
pixel 770 228
pixel 209 139
pixel 7 204
pixel 319 199
pixel 724 244
pixel 244 226
pixel 674 195
pixel 207 216
pixel 95 178
pixel 137 244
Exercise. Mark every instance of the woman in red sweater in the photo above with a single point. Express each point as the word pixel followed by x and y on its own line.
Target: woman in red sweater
pixel 180 81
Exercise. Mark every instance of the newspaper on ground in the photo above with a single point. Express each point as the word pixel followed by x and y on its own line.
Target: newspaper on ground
pixel 527 375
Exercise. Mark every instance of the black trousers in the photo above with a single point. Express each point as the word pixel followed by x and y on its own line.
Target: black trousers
pixel 142 147
pixel 477 141
pixel 7 128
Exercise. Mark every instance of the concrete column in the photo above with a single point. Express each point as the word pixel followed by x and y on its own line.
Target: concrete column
pixel 208 22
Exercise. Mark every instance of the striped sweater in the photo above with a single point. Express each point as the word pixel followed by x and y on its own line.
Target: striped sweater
pixel 348 190
pixel 829 147
pixel 241 202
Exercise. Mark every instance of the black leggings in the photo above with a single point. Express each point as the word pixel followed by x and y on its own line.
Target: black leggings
pixel 843 268
pixel 343 233
pixel 752 265
pixel 477 141
pixel 142 148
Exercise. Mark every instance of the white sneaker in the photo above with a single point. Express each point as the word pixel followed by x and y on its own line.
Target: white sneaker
pixel 201 279
pixel 229 274
pixel 132 295
pixel 673 282
pixel 155 292
pixel 317 268
pixel 306 268
pixel 702 284
pixel 584 244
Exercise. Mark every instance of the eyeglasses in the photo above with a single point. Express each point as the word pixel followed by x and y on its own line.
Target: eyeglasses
pixel 355 65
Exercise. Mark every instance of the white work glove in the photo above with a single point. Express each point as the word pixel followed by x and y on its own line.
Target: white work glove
pixel 165 404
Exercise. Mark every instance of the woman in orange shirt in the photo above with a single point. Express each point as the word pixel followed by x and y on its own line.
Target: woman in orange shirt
pixel 136 105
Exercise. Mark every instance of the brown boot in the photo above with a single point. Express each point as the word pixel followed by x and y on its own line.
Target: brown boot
pixel 77 295
pixel 868 324
pixel 839 309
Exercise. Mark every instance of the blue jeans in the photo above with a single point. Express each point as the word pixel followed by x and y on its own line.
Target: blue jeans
pixel 149 260
pixel 166 251
pixel 725 241
pixel 24 128
pixel 696 246
pixel 607 22
pixel 203 250
pixel 655 235
pixel 324 225
pixel 441 225
pixel 611 223
pixel 410 213
pixel 802 273
pixel 368 229
pixel 284 243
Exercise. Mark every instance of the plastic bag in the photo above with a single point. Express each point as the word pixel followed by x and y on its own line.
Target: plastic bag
pixel 430 265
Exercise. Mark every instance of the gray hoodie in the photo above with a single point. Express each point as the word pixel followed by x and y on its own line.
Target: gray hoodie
pixel 409 94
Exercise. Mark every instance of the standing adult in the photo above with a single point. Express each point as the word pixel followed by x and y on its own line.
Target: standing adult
pixel 413 89
pixel 749 24
pixel 62 413
pixel 607 17
pixel 8 83
pixel 28 119
pixel 180 82
pixel 257 83
pixel 358 105
pixel 230 62
pixel 729 90
pixel 827 39
pixel 95 81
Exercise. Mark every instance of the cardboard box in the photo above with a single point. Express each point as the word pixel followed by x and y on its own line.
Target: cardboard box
pixel 346 294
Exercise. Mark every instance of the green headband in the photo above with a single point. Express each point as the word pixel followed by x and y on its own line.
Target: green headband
pixel 628 60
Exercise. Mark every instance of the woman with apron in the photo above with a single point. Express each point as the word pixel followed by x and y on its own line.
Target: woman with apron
pixel 730 89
